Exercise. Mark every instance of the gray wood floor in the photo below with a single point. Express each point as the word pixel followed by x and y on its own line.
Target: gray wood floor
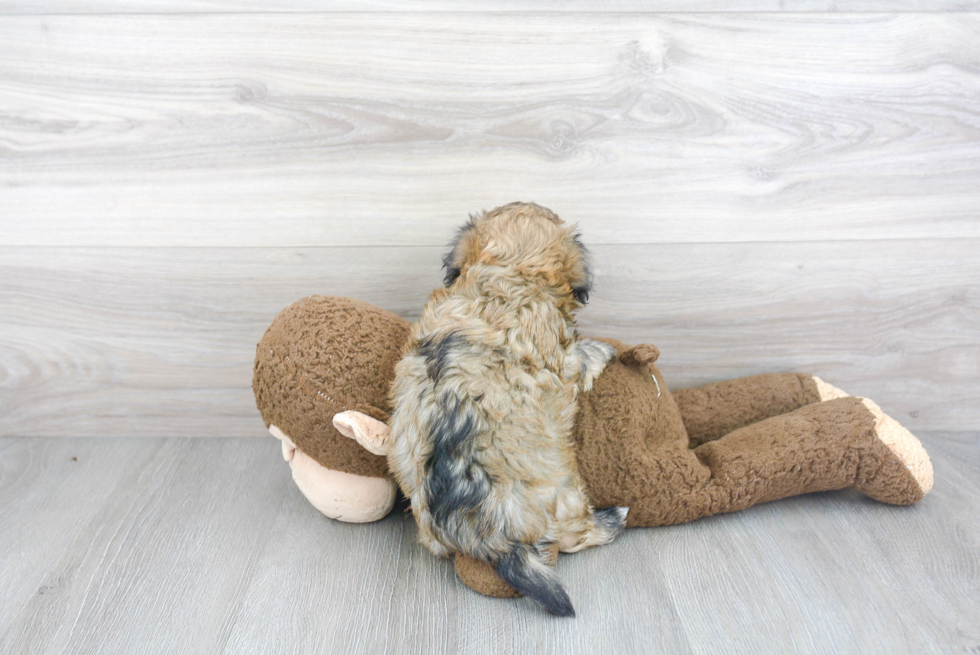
pixel 205 546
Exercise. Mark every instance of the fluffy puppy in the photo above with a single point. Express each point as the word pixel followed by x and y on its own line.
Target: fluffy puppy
pixel 485 398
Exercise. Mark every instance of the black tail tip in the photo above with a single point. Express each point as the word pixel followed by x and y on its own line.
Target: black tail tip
pixel 557 603
pixel 524 569
pixel 565 610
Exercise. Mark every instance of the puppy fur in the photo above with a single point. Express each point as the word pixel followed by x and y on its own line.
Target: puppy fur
pixel 485 398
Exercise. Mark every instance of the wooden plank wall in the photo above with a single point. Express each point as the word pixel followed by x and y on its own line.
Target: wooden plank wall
pixel 792 190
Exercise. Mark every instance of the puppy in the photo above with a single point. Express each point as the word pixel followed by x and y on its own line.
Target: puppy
pixel 485 398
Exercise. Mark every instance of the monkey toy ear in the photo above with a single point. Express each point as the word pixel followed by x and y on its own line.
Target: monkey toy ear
pixel 372 434
pixel 640 355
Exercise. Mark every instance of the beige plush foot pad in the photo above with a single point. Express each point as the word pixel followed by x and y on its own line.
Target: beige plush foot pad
pixel 828 391
pixel 908 476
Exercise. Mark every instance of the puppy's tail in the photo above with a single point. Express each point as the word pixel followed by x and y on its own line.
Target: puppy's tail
pixel 525 570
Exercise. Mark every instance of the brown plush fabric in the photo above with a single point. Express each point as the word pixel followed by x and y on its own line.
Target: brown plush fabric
pixel 669 458
pixel 640 355
pixel 324 355
pixel 715 410
pixel 478 575
pixel 634 452
pixel 819 447
pixel 631 441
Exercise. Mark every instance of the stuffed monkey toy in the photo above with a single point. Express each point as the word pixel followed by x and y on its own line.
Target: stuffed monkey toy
pixel 324 366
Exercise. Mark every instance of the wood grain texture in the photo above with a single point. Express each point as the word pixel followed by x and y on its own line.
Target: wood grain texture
pixel 160 566
pixel 206 546
pixel 47 499
pixel 782 191
pixel 349 129
pixel 31 7
pixel 160 341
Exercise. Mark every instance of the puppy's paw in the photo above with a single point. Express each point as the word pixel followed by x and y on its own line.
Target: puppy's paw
pixel 600 351
pixel 611 521
pixel 593 356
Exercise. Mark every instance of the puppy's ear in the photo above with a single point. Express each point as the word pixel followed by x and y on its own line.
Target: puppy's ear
pixel 463 243
pixel 579 271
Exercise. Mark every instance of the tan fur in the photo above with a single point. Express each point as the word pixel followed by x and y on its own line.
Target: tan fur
pixel 512 371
